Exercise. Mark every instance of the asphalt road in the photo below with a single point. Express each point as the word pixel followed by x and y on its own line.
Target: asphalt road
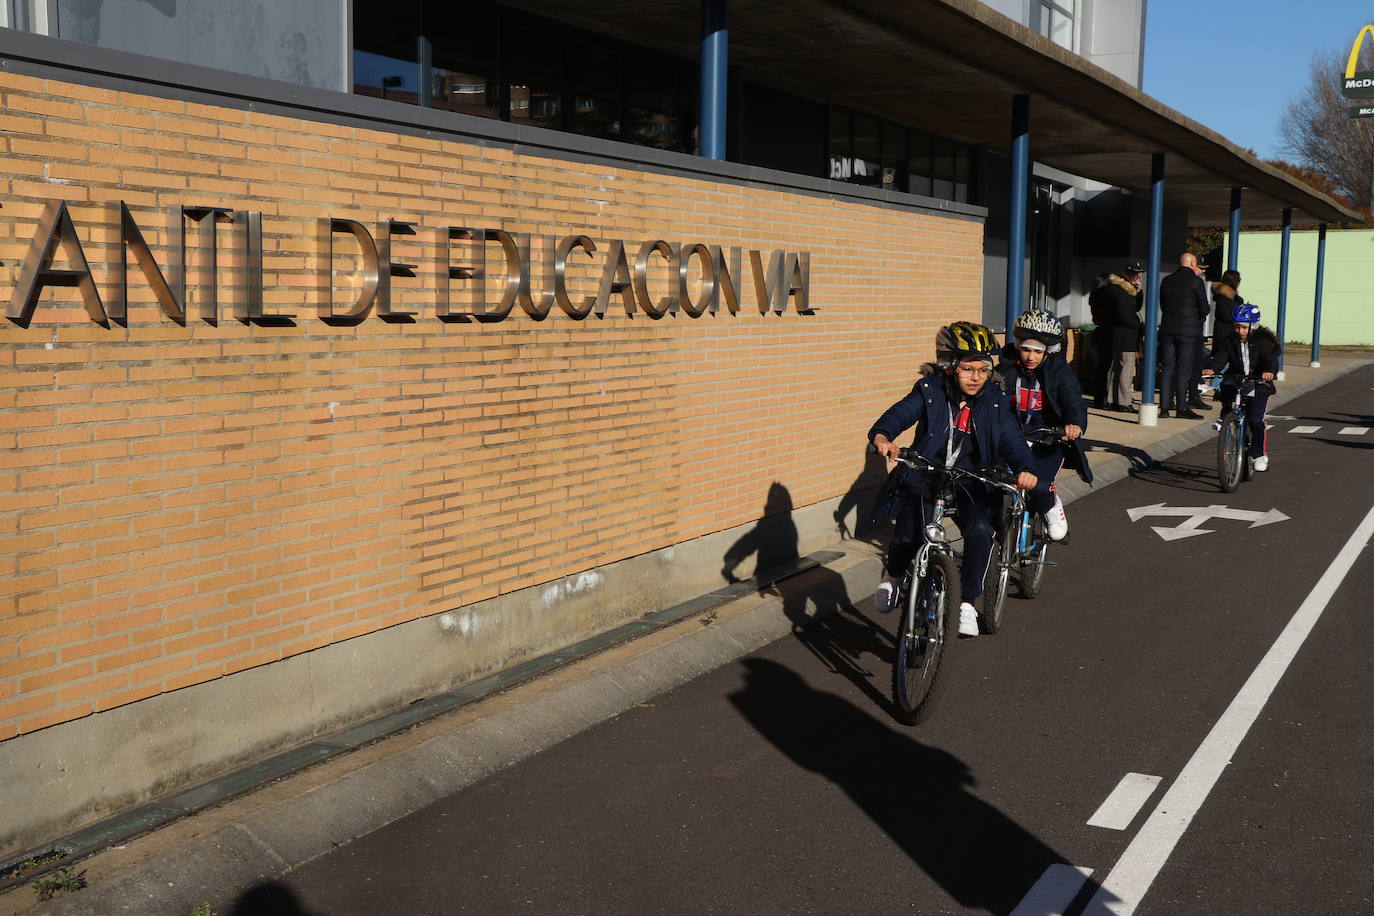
pixel 782 784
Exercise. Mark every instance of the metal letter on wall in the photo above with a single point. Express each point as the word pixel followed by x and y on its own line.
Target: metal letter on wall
pixel 475 269
pixel 54 230
pixel 537 309
pixel 615 280
pixel 770 287
pixel 723 274
pixel 560 276
pixel 799 282
pixel 130 236
pixel 709 286
pixel 327 227
pixel 209 219
pixel 646 301
pixel 249 306
pixel 388 269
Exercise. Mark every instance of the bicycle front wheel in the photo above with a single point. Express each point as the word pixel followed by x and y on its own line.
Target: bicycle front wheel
pixel 1033 563
pixel 922 637
pixel 1229 457
pixel 1003 557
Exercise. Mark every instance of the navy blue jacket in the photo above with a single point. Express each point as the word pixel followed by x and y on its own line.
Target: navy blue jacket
pixel 1064 405
pixel 995 427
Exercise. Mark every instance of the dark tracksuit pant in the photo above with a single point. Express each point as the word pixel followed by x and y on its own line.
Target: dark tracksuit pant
pixel 978 508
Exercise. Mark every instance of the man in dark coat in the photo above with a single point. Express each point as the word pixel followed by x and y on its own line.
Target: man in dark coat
pixel 1183 309
pixel 1116 310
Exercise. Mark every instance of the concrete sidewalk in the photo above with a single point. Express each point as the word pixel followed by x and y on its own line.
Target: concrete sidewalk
pixel 216 854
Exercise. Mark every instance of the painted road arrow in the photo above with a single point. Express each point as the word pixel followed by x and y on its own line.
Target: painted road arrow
pixel 1196 515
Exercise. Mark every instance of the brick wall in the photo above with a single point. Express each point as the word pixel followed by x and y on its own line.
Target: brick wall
pixel 182 503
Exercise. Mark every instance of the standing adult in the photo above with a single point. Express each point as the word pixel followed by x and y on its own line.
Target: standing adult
pixel 1183 308
pixel 1226 297
pixel 1116 309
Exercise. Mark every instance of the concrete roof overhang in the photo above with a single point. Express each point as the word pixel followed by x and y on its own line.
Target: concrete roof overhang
pixel 951 67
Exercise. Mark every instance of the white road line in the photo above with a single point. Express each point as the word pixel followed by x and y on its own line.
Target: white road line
pixel 1354 431
pixel 1301 430
pixel 1129 796
pixel 1125 887
pixel 1052 894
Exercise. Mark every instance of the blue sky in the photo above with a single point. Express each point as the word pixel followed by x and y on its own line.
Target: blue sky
pixel 1234 64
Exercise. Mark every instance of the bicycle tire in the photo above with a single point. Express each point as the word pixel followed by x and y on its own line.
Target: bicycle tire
pixel 1033 564
pixel 928 614
pixel 993 602
pixel 1229 459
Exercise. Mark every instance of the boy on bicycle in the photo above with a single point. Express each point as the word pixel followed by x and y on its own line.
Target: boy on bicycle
pixel 961 421
pixel 1045 393
pixel 1252 352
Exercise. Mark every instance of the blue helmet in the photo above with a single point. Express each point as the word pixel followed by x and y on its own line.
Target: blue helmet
pixel 1245 314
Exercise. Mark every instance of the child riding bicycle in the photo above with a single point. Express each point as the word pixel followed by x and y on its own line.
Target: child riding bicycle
pixel 1251 353
pixel 961 421
pixel 1045 393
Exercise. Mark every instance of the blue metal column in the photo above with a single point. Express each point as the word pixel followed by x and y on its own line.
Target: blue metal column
pixel 1233 248
pixel 1020 191
pixel 1317 304
pixel 1286 241
pixel 1149 410
pixel 714 78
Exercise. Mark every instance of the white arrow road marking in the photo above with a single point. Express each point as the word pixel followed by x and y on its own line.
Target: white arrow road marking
pixel 1125 887
pixel 1303 430
pixel 1126 800
pixel 1052 894
pixel 1354 431
pixel 1196 515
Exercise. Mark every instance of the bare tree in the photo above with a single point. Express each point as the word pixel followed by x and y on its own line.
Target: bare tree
pixel 1319 133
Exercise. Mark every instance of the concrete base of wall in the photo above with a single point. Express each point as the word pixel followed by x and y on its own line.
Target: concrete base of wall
pixel 73 774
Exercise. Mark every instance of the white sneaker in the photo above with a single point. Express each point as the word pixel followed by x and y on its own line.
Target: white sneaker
pixel 885 598
pixel 1216 425
pixel 1056 521
pixel 968 619
pixel 1262 463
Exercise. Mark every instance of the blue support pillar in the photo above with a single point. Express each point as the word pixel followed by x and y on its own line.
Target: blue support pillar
pixel 1317 303
pixel 1149 410
pixel 1020 192
pixel 1285 244
pixel 714 78
pixel 1233 249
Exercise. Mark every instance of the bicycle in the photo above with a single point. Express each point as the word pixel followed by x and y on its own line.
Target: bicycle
pixel 929 590
pixel 1020 545
pixel 1234 461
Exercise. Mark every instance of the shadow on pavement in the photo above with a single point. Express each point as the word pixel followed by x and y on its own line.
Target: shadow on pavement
pixel 1180 475
pixel 1137 458
pixel 772 541
pixel 918 794
pixel 269 899
pixel 860 499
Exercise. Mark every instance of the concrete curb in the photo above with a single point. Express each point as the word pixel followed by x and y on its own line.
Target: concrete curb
pixel 216 854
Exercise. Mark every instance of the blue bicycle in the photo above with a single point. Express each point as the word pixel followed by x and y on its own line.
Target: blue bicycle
pixel 1020 547
pixel 1234 461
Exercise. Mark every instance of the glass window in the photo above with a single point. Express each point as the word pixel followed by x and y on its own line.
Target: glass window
pixel 1055 21
pixel 652 105
pixel 595 76
pixel 385 40
pixel 533 52
pixel 963 175
pixel 841 146
pixel 894 157
pixel 919 165
pixel 867 165
pixel 942 169
pixel 464 55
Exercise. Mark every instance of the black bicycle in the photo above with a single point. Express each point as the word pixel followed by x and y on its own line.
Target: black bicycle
pixel 929 596
pixel 1234 461
pixel 1020 548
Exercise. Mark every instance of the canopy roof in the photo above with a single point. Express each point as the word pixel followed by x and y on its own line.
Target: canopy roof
pixel 952 67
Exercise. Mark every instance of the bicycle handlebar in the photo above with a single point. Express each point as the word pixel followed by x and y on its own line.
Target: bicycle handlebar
pixel 1046 435
pixel 996 477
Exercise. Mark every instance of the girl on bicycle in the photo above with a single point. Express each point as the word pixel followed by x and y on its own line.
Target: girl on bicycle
pixel 961 421
pixel 1045 393
pixel 1251 353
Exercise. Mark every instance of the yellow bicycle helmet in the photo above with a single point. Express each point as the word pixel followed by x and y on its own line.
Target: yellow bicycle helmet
pixel 965 340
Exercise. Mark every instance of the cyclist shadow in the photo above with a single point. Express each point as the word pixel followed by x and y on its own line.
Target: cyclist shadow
pixel 919 795
pixel 816 602
pixel 1138 458
pixel 860 499
pixel 1179 475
